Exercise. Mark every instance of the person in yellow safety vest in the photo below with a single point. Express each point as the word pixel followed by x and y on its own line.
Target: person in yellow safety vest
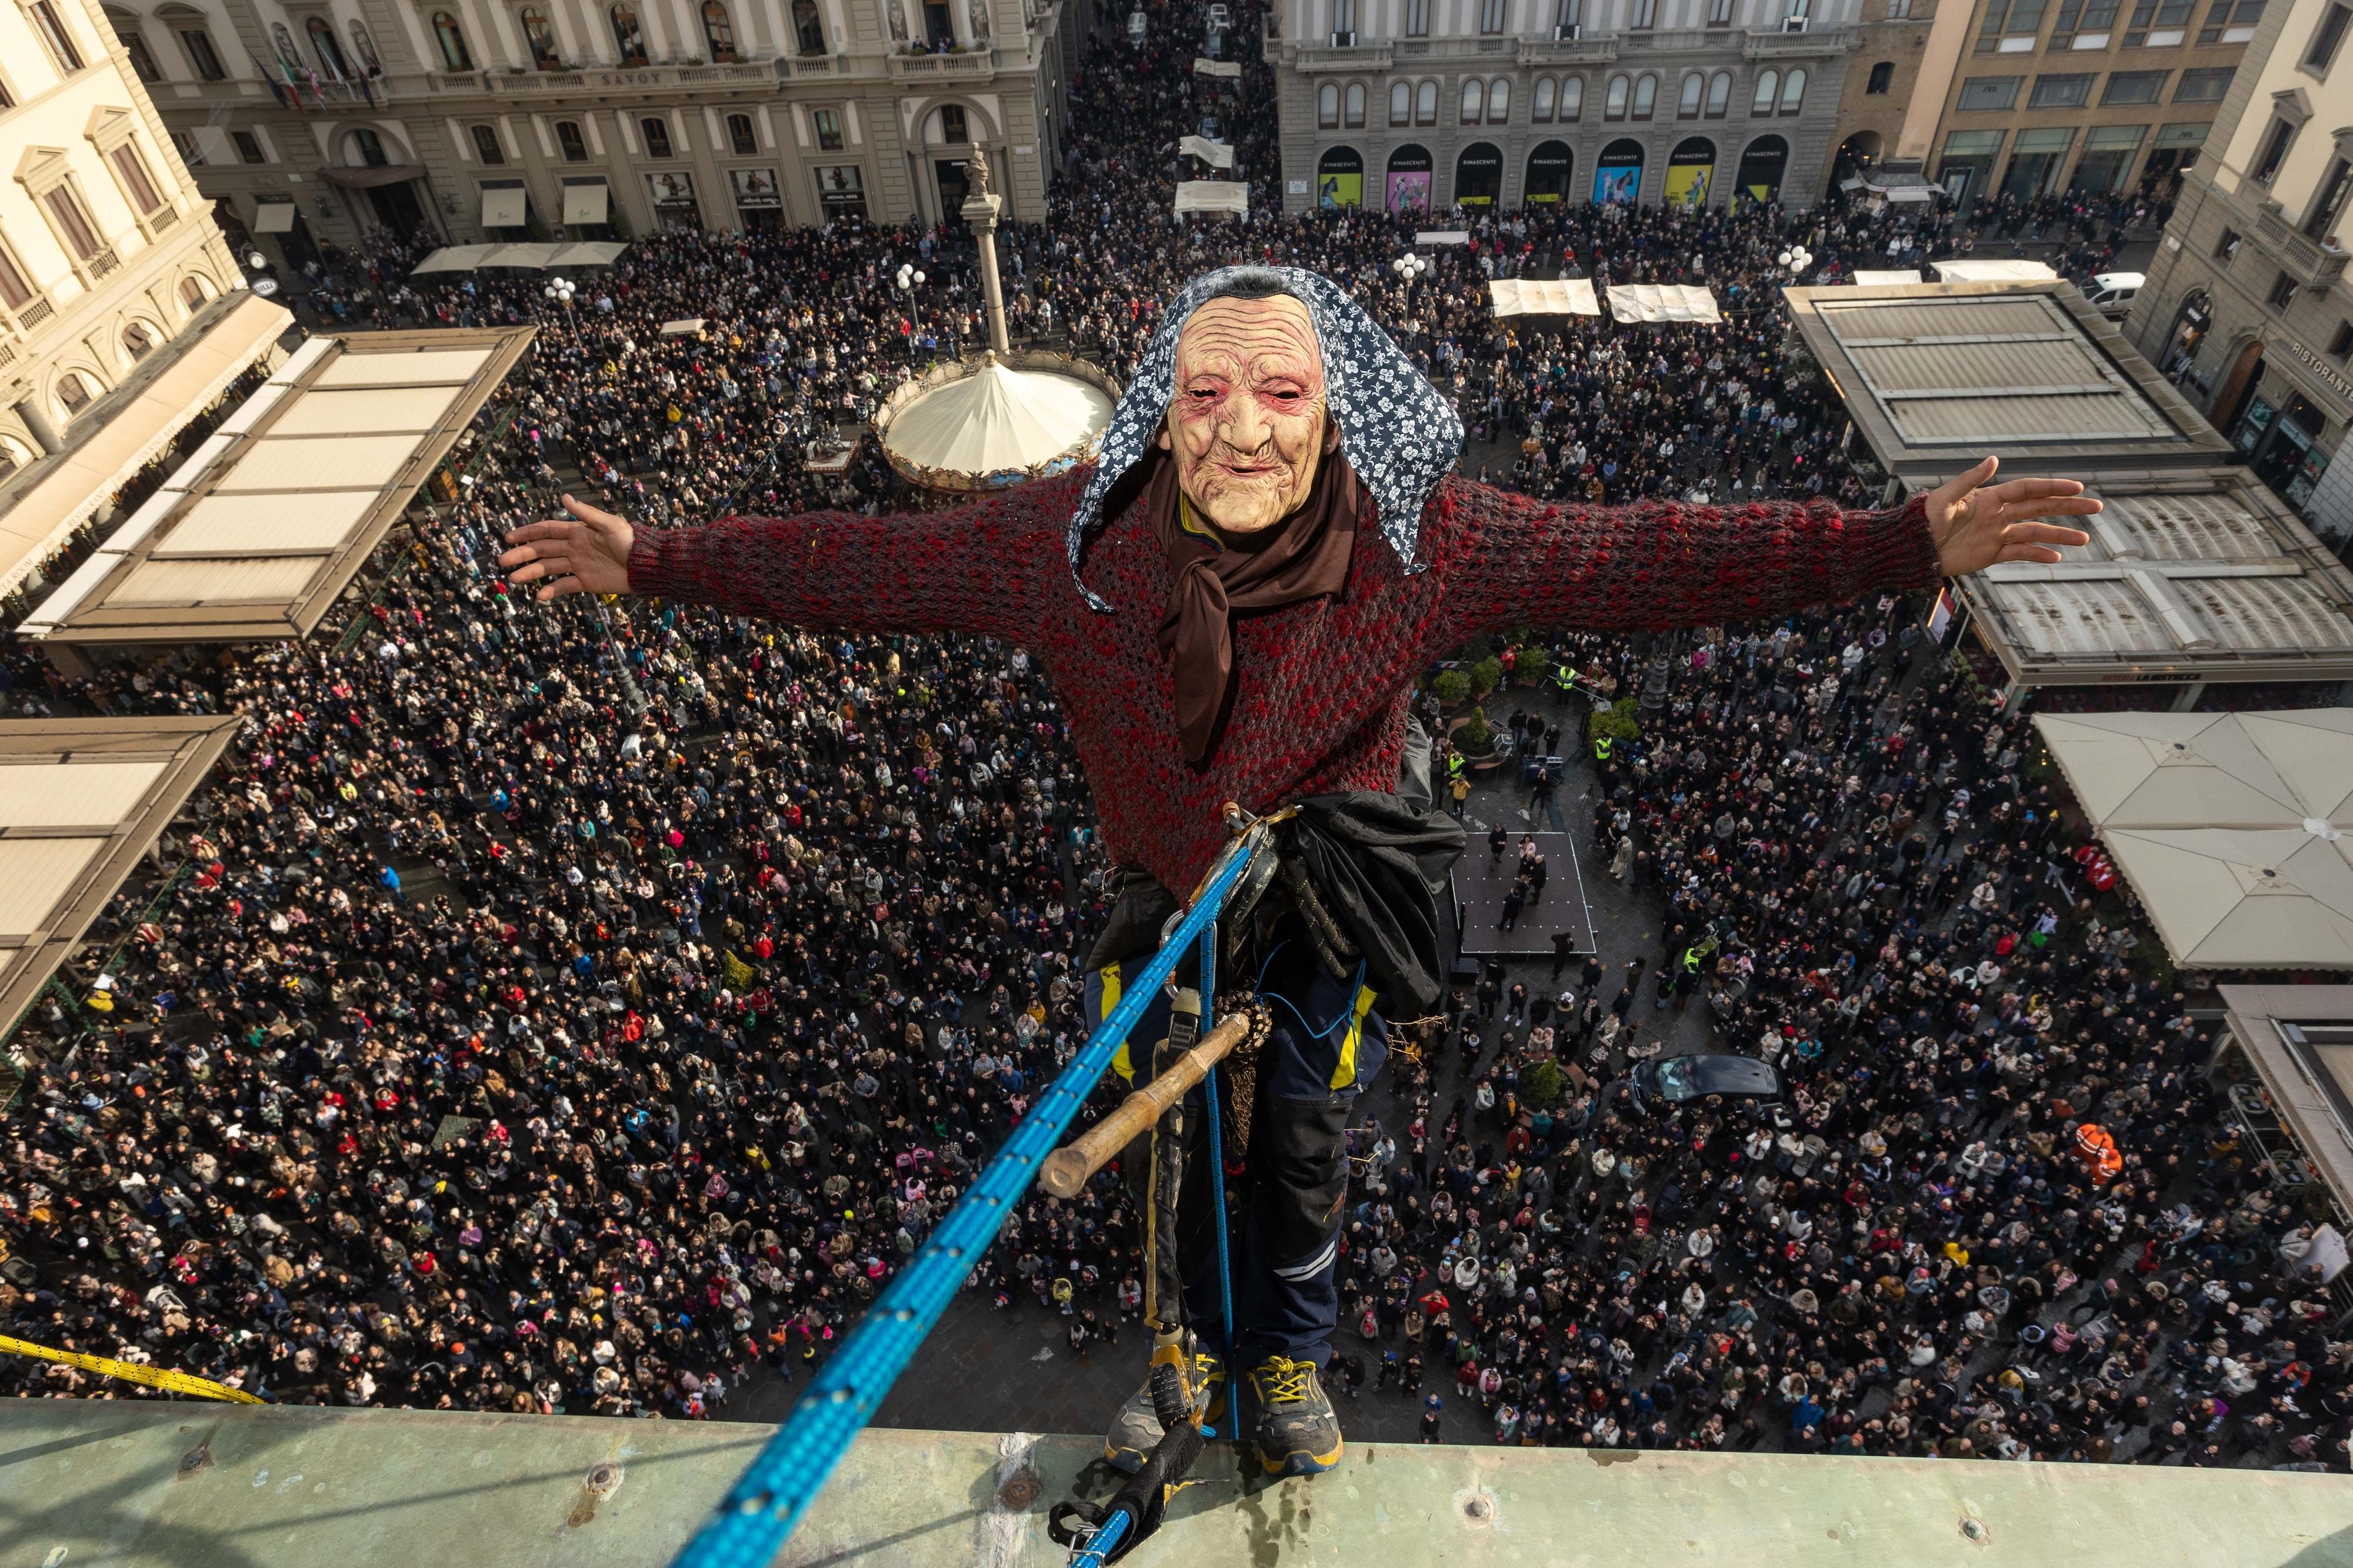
pixel 1564 677
pixel 1602 748
pixel 1456 763
pixel 2097 1148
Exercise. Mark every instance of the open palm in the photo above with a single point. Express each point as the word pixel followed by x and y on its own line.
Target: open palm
pixel 586 553
pixel 1976 526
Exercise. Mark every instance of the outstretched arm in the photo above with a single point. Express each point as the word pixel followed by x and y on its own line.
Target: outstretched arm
pixel 1656 564
pixel 986 567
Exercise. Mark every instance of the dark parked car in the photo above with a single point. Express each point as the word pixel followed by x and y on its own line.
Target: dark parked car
pixel 1671 1080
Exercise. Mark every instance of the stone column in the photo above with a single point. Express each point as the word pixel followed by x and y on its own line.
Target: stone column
pixel 980 210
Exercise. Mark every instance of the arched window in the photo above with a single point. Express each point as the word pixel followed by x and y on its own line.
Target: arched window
pixel 192 293
pixel 1499 101
pixel 570 141
pixel 656 132
pixel 324 45
pixel 1327 107
pixel 1540 107
pixel 73 392
pixel 1687 104
pixel 452 40
pixel 1719 94
pixel 1613 103
pixel 283 41
pixel 1572 98
pixel 1883 76
pixel 364 149
pixel 1646 95
pixel 741 136
pixel 628 38
pixel 1768 84
pixel 487 146
pixel 364 47
pixel 138 342
pixel 1474 100
pixel 718 32
pixel 538 37
pixel 135 43
pixel 809 30
pixel 1400 103
pixel 1355 106
pixel 1425 104
pixel 1793 90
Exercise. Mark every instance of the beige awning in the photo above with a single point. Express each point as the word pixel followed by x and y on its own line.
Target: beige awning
pixel 1868 280
pixel 502 206
pixel 105 448
pixel 254 536
pixel 80 801
pixel 994 418
pixel 587 202
pixel 2207 770
pixel 1539 297
pixel 453 258
pixel 2224 898
pixel 1642 302
pixel 274 217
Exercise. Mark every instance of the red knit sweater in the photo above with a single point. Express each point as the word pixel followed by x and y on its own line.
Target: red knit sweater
pixel 1320 700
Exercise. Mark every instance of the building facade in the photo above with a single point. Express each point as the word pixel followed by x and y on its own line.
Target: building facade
pixel 512 120
pixel 109 262
pixel 1891 48
pixel 1434 104
pixel 2246 304
pixel 2031 97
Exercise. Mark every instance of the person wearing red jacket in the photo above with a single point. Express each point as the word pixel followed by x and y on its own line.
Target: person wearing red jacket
pixel 1233 603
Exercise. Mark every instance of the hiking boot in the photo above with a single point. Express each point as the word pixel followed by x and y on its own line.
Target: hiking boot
pixel 1136 1431
pixel 1296 1429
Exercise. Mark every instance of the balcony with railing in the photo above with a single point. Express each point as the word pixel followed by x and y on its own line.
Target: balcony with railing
pixel 934 68
pixel 2313 263
pixel 1371 54
pixel 1772 43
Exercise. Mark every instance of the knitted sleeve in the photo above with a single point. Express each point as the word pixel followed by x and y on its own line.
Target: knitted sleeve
pixel 1510 560
pixel 988 567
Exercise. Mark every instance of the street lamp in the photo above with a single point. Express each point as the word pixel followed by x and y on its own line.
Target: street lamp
pixel 560 290
pixel 1410 266
pixel 1795 259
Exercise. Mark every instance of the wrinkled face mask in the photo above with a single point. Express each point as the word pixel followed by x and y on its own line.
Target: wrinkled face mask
pixel 1247 422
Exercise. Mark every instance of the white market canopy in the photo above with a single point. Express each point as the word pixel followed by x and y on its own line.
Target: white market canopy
pixel 1207 67
pixel 990 421
pixel 1644 302
pixel 1956 271
pixel 2207 770
pixel 1213 196
pixel 2232 828
pixel 1442 237
pixel 1876 280
pixel 538 258
pixel 1216 154
pixel 1536 296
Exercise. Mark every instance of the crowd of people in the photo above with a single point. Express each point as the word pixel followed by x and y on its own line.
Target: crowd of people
pixel 587 1008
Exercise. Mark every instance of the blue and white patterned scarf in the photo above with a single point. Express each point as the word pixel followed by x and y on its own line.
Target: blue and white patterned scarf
pixel 1399 435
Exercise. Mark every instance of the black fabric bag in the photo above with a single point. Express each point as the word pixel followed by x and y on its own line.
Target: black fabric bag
pixel 1378 866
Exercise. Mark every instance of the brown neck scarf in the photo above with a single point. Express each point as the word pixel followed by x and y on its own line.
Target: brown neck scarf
pixel 1303 557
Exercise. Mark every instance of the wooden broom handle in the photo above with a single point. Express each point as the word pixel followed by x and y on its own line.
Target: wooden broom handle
pixel 1064 1172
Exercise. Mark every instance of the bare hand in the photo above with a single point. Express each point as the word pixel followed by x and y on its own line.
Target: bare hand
pixel 587 552
pixel 1976 528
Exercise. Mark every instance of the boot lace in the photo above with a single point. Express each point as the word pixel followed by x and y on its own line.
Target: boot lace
pixel 1283 1381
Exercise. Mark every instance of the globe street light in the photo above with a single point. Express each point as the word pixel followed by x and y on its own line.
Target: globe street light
pixel 560 290
pixel 1410 266
pixel 910 277
pixel 1796 259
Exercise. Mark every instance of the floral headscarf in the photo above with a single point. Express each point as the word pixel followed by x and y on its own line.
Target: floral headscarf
pixel 1400 436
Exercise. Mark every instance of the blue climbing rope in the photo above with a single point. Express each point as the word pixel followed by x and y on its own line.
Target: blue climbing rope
pixel 759 1512
pixel 1217 1172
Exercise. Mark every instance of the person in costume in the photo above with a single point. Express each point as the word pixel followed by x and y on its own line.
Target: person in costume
pixel 1233 603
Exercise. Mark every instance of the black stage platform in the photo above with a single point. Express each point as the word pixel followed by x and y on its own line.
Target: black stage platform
pixel 1481 880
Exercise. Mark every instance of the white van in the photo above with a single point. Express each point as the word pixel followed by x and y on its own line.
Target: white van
pixel 2112 293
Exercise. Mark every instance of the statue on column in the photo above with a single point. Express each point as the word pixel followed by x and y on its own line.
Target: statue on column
pixel 975 171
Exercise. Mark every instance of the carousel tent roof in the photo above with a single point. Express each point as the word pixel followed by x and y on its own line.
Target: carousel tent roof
pixel 2207 770
pixel 996 418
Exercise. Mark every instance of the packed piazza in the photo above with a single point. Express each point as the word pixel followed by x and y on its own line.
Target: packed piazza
pixel 589 1006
